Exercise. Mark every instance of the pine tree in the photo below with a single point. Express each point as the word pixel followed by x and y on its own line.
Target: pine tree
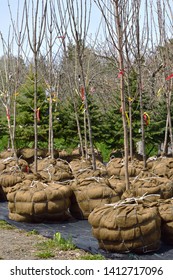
pixel 25 113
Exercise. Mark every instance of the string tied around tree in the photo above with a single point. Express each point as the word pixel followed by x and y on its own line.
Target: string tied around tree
pixel 146 118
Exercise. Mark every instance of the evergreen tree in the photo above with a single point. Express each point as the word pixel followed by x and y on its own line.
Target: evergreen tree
pixel 25 113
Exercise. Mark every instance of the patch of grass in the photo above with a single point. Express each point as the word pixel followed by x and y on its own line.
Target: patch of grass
pixel 62 243
pixel 92 257
pixel 5 225
pixel 33 232
pixel 45 255
pixel 47 247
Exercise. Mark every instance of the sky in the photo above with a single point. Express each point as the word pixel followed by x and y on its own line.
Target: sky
pixel 5 20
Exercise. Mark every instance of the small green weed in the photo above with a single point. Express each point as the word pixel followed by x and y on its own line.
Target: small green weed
pixel 62 243
pixel 5 225
pixel 47 247
pixel 45 255
pixel 33 232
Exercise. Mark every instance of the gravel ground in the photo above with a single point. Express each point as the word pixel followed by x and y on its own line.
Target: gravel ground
pixel 17 244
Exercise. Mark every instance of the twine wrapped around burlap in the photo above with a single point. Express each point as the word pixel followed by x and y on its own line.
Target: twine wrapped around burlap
pixel 127 226
pixel 116 167
pixel 13 172
pixel 153 185
pixel 78 165
pixel 89 193
pixel 10 164
pixel 84 169
pixel 166 214
pixel 9 180
pixel 118 185
pixel 36 202
pixel 53 170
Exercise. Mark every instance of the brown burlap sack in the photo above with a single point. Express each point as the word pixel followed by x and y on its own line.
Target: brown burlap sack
pixel 6 154
pixel 166 214
pixel 118 185
pixel 12 165
pixel 2 166
pixel 116 167
pixel 53 170
pixel 78 165
pixel 9 180
pixel 89 193
pixel 153 185
pixel 28 154
pixel 36 202
pixel 163 167
pixel 127 226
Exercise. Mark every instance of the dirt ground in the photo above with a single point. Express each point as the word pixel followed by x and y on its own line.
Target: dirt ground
pixel 16 244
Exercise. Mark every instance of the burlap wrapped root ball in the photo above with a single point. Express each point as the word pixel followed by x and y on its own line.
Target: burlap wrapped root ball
pixel 126 227
pixel 118 185
pixel 37 202
pixel 153 185
pixel 53 170
pixel 7 181
pixel 163 167
pixel 12 171
pixel 89 193
pixel 14 165
pixel 116 167
pixel 166 214
pixel 83 168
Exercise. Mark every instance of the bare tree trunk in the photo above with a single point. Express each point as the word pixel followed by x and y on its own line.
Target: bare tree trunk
pixel 142 116
pixel 35 111
pixel 122 89
pixel 165 144
pixel 35 42
pixel 50 46
pixel 79 26
pixel 139 60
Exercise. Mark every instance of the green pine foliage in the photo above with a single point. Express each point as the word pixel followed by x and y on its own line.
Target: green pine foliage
pixel 25 113
pixel 112 129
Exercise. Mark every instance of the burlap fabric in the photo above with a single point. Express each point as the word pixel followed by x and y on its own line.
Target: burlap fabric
pixel 36 202
pixel 13 172
pixel 6 154
pixel 53 170
pixel 116 167
pixel 118 185
pixel 7 181
pixel 12 165
pixel 153 185
pixel 2 166
pixel 89 193
pixel 166 214
pixel 78 165
pixel 28 154
pixel 163 167
pixel 127 226
pixel 84 169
